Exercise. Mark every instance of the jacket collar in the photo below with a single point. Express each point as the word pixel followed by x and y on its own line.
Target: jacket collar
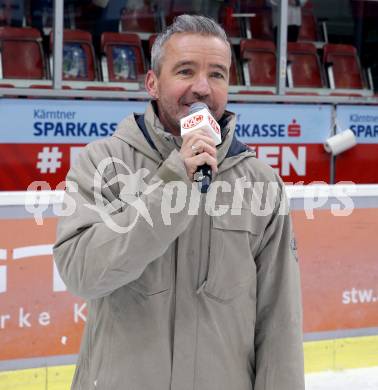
pixel 158 143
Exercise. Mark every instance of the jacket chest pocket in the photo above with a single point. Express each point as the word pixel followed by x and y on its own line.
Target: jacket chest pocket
pixel 234 240
pixel 157 276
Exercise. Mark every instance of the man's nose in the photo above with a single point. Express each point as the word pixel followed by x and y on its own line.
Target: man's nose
pixel 201 86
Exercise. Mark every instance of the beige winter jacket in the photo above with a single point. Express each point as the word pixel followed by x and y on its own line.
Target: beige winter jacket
pixel 190 298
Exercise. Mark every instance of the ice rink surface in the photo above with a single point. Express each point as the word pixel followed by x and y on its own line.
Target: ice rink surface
pixel 354 379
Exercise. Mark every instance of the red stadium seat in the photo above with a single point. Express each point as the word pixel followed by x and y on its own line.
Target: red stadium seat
pixel 79 61
pixel 309 27
pixel 262 25
pixel 230 24
pixel 260 59
pixel 172 9
pixel 255 92
pixel 140 19
pixel 22 54
pixel 38 86
pixel 343 66
pixel 234 72
pixel 105 88
pixel 151 41
pixel 124 57
pixel 304 65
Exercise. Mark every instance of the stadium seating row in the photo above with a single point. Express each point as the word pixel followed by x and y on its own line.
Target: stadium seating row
pixel 259 25
pixel 150 17
pixel 123 60
pixel 340 63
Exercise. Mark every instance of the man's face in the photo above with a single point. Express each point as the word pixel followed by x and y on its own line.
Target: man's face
pixel 194 68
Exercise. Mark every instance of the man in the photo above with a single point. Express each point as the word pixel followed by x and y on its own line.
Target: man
pixel 197 298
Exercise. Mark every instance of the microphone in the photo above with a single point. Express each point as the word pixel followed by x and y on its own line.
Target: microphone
pixel 200 118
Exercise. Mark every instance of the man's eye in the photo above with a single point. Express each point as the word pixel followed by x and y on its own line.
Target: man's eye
pixel 217 75
pixel 185 72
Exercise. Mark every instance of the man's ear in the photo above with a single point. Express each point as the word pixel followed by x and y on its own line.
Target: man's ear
pixel 151 84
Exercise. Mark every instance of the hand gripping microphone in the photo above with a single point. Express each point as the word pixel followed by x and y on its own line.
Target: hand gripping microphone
pixel 200 118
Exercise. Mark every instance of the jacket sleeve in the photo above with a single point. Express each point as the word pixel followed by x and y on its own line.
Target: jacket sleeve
pixel 94 257
pixel 278 332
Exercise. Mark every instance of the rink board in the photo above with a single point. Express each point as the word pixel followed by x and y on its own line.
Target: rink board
pixel 42 323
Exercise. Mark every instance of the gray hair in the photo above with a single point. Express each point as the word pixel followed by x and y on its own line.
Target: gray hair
pixel 195 24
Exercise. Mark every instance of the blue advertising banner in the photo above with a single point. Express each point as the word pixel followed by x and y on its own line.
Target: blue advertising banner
pixel 360 163
pixel 288 137
pixel 78 121
pixel 362 120
pixel 49 134
pixel 282 124
pixel 61 121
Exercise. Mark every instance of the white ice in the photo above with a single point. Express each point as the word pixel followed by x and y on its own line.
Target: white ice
pixel 353 379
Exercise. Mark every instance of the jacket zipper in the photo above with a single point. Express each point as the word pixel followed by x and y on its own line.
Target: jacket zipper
pixel 174 280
